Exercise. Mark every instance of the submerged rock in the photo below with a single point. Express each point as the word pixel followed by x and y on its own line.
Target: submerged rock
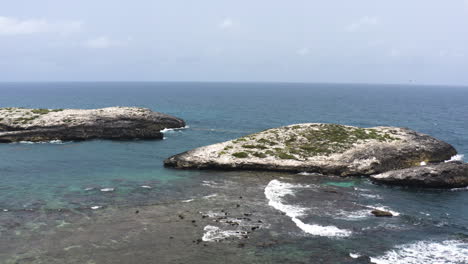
pixel 319 148
pixel 20 124
pixel 441 175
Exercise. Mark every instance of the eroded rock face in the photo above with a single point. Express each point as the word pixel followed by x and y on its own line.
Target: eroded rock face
pixel 321 148
pixel 20 124
pixel 441 175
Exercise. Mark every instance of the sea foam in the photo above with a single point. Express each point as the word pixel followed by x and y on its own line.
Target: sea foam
pixel 458 157
pixel 60 142
pixel 213 233
pixel 276 190
pixel 449 251
pixel 169 130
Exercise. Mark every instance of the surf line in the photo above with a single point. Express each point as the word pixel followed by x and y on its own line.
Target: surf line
pixel 276 190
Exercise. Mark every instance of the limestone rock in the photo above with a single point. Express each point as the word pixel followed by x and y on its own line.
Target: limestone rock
pixel 20 124
pixel 441 175
pixel 320 148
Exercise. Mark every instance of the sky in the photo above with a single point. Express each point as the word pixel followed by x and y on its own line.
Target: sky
pixel 338 41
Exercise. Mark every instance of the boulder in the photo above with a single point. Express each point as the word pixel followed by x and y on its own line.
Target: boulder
pixel 441 175
pixel 21 124
pixel 319 148
pixel 381 213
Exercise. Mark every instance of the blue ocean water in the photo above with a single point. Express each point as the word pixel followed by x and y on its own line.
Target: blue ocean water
pixel 57 175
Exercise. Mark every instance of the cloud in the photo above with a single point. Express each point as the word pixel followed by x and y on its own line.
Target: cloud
pixel 226 23
pixel 103 42
pixel 303 51
pixel 14 26
pixel 364 22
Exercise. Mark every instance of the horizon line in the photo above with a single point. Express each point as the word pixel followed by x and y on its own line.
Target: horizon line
pixel 247 82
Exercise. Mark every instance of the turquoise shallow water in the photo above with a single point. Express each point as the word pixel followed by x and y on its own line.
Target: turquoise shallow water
pixel 71 174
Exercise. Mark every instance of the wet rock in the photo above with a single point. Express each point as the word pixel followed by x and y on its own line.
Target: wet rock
pixel 441 175
pixel 319 148
pixel 20 124
pixel 381 213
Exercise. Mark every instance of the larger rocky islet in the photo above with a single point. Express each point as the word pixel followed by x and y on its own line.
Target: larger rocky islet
pixel 329 149
pixel 22 124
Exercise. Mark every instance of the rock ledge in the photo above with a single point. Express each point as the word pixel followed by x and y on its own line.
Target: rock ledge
pixel 441 175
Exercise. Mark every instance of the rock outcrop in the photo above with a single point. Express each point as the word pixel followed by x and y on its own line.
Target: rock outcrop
pixel 381 213
pixel 320 148
pixel 441 175
pixel 20 124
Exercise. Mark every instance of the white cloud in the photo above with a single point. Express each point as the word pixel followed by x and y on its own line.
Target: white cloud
pixel 104 42
pixel 364 22
pixel 227 23
pixel 14 26
pixel 303 51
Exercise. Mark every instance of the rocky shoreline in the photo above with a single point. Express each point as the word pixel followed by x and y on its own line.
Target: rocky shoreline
pixel 452 174
pixel 21 124
pixel 327 149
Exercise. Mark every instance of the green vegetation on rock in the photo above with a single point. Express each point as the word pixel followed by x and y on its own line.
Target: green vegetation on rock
pixel 302 141
pixel 42 111
pixel 241 155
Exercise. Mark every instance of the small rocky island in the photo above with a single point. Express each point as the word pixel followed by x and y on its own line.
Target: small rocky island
pixel 21 124
pixel 452 174
pixel 328 149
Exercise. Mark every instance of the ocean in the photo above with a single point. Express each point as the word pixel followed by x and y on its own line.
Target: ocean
pixel 48 188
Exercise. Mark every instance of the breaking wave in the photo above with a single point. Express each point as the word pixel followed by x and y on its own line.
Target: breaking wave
pixel 449 251
pixel 276 190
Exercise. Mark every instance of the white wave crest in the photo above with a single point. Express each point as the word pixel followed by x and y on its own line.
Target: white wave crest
pixel 210 196
pixel 459 189
pixel 107 189
pixel 276 190
pixel 60 142
pixel 304 173
pixel 458 157
pixel 449 251
pixel 354 215
pixel 170 130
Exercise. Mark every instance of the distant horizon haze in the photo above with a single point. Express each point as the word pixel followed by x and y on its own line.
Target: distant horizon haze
pixel 306 41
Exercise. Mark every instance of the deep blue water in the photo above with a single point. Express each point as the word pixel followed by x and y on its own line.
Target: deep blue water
pixel 55 175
